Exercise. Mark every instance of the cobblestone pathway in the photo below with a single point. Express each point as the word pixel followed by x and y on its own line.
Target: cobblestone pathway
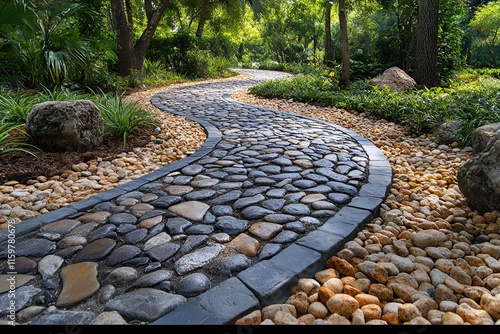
pixel 231 228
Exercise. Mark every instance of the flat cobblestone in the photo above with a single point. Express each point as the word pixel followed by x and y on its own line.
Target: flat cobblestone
pixel 265 201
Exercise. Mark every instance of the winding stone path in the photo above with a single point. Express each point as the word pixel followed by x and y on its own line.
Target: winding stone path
pixel 204 240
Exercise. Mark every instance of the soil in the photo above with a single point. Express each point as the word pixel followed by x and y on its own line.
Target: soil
pixel 21 167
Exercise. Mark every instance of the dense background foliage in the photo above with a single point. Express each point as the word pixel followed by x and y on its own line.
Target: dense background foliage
pixel 85 46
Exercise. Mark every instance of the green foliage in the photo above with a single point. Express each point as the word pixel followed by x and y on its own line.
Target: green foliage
pixel 10 143
pixel 486 25
pixel 14 107
pixel 193 57
pixel 155 73
pixel 487 22
pixel 473 103
pixel 121 118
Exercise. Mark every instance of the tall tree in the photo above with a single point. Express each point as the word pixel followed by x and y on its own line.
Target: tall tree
pixel 131 55
pixel 203 17
pixel 328 57
pixel 425 67
pixel 344 75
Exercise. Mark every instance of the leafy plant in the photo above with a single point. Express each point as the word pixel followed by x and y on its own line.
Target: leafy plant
pixel 471 99
pixel 14 107
pixel 9 143
pixel 121 118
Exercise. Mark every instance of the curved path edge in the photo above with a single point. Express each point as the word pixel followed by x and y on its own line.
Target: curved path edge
pixel 269 281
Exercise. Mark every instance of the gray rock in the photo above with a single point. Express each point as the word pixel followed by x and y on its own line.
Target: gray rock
pixel 479 178
pixel 66 125
pixel 448 132
pixel 59 317
pixel 145 304
pixel 396 79
pixel 193 285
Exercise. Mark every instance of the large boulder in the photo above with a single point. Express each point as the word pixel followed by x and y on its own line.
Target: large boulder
pixel 65 125
pixel 479 177
pixel 396 79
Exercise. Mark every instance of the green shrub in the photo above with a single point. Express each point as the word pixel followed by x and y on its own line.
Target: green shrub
pixel 472 102
pixel 121 118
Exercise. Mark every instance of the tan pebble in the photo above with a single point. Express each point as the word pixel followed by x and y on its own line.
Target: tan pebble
pixel 408 311
pixel 450 318
pixel 492 280
pixel 473 316
pixel 307 285
pixel 365 299
pixel 425 305
pixel 337 319
pixel 474 292
pixel 391 318
pixel 312 298
pixel 299 300
pixel 267 322
pixel 306 319
pixel 374 248
pixel 421 321
pixel 376 271
pixel 443 292
pixel 376 322
pixel 324 275
pixel 342 304
pixel 405 279
pixel 381 291
pixel 317 309
pixel 403 291
pixel 448 306
pixel 351 291
pixel 348 280
pixel 108 318
pixel 454 285
pixel 284 318
pixel 358 318
pixel 321 322
pixel 70 241
pixel 371 311
pixel 253 318
pixel 342 266
pixel 362 284
pixel 269 311
pixel 421 275
pixel 460 275
pixel 491 305
pixel 324 294
pixel 334 284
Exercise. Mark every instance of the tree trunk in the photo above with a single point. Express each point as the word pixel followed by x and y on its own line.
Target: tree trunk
pixel 344 76
pixel 124 37
pixel 425 68
pixel 131 57
pixel 203 18
pixel 328 57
